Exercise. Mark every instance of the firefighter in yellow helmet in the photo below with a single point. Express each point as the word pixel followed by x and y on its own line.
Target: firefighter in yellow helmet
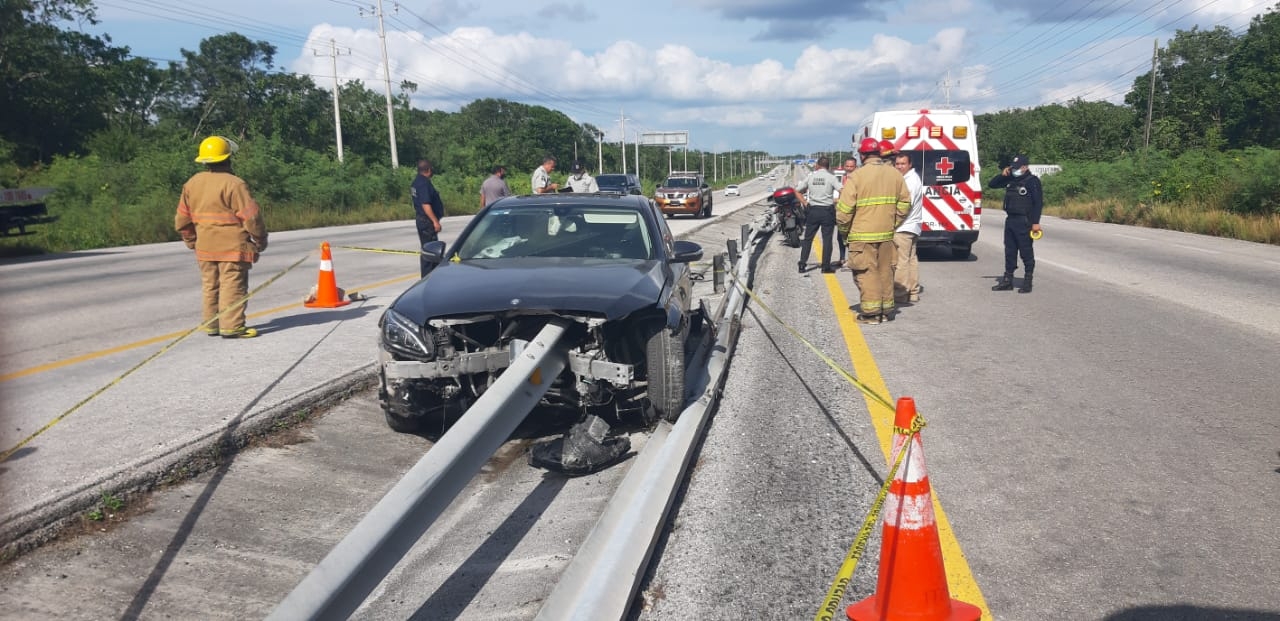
pixel 219 220
pixel 873 202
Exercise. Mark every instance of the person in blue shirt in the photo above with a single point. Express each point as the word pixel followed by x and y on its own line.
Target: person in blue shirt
pixel 428 209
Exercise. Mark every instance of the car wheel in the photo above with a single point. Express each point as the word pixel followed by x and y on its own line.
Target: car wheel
pixel 664 370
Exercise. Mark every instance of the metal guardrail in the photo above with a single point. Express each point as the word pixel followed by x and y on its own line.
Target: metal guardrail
pixel 618 548
pixel 603 577
pixel 355 567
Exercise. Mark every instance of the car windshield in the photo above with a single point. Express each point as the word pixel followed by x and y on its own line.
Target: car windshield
pixel 611 180
pixel 578 231
pixel 681 182
pixel 731 187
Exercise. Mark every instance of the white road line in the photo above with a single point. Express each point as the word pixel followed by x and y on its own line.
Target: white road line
pixel 1272 262
pixel 1197 249
pixel 1130 237
pixel 1061 266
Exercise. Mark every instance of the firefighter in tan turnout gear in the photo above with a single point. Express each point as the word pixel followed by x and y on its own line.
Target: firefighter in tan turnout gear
pixel 220 221
pixel 873 202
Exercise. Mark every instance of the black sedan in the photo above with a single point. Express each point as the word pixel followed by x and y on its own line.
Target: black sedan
pixel 607 263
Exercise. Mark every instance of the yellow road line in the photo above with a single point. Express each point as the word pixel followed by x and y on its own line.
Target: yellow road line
pixel 166 337
pixel 960 579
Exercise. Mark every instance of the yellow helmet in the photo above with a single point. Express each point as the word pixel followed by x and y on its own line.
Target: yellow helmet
pixel 215 149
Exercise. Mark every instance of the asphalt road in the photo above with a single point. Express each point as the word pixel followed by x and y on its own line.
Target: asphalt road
pixel 1105 447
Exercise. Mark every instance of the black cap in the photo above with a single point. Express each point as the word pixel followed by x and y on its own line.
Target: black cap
pixel 577 167
pixel 1019 162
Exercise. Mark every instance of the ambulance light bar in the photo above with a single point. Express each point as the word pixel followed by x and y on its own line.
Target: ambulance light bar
pixel 888 133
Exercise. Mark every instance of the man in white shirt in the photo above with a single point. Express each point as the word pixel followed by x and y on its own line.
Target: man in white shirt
pixel 541 181
pixel 580 180
pixel 906 278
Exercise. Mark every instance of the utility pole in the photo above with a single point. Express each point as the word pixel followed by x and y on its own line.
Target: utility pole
pixel 946 87
pixel 1151 95
pixel 637 155
pixel 337 116
pixel 386 74
pixel 599 152
pixel 623 119
pixel 715 168
pixel 702 168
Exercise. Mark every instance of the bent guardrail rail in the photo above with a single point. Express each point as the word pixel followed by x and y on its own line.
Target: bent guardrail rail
pixel 340 583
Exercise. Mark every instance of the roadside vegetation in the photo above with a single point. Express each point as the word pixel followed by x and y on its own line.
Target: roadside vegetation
pixel 115 135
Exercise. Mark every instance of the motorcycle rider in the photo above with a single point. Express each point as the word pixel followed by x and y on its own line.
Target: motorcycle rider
pixel 873 202
pixel 820 213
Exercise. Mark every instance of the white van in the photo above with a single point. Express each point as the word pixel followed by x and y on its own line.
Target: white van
pixel 952 213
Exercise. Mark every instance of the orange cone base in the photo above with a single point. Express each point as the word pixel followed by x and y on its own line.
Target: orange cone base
pixel 870 610
pixel 319 304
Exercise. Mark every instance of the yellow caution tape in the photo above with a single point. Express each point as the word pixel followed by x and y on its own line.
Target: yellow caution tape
pixel 210 322
pixel 831 605
pixel 381 250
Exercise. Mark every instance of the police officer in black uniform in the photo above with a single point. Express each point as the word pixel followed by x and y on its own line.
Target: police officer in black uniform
pixel 1023 201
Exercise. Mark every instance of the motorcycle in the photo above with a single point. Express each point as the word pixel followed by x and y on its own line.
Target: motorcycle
pixel 789 214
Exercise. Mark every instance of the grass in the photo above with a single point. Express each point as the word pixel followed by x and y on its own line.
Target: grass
pixel 1174 217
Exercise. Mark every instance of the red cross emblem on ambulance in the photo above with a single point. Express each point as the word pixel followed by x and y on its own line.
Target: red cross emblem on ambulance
pixel 944 165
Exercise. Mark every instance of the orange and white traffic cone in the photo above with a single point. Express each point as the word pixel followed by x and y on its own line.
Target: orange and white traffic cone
pixel 327 293
pixel 913 582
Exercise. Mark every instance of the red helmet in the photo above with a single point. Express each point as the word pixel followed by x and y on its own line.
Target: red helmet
pixel 869 145
pixel 887 148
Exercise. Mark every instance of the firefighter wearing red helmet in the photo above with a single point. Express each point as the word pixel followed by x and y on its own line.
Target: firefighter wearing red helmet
pixel 873 202
pixel 887 148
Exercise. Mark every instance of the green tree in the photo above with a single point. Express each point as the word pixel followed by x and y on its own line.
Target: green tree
pixel 55 84
pixel 1253 83
pixel 225 85
pixel 1190 94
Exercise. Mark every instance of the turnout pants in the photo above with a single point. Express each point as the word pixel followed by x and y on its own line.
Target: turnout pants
pixel 224 283
pixel 819 217
pixel 1017 241
pixel 872 264
pixel 906 276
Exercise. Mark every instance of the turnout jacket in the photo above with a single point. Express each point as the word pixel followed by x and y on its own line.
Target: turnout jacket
pixel 873 202
pixel 219 219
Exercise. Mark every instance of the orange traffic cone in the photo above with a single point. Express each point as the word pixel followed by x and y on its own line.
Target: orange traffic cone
pixel 913 582
pixel 327 293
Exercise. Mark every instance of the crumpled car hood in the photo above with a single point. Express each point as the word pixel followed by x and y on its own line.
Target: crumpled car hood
pixel 605 287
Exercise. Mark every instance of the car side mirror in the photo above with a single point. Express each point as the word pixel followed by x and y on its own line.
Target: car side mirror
pixel 686 252
pixel 635 190
pixel 433 251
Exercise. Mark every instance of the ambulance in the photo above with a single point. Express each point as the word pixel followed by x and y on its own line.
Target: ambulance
pixel 939 142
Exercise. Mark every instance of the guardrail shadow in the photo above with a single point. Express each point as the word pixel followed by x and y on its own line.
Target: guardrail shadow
pixel 226 448
pixel 450 601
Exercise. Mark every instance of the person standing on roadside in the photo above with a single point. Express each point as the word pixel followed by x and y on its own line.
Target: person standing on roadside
pixel 495 186
pixel 218 219
pixel 873 202
pixel 821 214
pixel 428 209
pixel 580 180
pixel 906 278
pixel 541 181
pixel 1023 201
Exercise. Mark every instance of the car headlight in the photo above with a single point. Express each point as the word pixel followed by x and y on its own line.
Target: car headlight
pixel 402 336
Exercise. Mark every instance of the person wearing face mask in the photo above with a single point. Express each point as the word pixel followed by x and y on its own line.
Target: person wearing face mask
pixel 580 180
pixel 1023 201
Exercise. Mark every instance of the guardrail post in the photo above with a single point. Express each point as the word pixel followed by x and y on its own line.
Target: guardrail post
pixel 733 251
pixel 746 236
pixel 717 272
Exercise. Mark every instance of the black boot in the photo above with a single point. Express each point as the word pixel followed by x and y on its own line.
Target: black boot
pixel 1005 283
pixel 1026 284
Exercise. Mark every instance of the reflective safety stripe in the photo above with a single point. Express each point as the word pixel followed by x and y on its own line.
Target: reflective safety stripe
pixel 870 237
pixel 877 200
pixel 844 208
pixel 326 265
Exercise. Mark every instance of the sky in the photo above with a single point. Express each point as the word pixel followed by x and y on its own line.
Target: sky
pixel 782 76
